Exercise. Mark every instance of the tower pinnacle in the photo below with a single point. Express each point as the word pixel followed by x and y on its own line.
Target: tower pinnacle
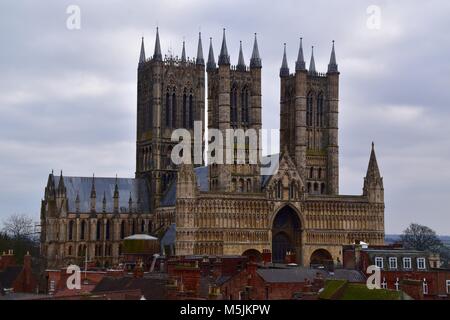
pixel 211 65
pixel 300 64
pixel 241 63
pixel 255 61
pixel 142 56
pixel 224 58
pixel 200 60
pixel 332 66
pixel 312 64
pixel 284 70
pixel 157 56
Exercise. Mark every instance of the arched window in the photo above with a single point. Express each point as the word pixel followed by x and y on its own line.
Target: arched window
pixel 185 124
pixel 174 109
pixel 245 106
pixel 322 188
pixel 309 110
pixel 233 183
pixel 142 226
pixel 122 230
pixel 191 111
pixel 133 227
pixel 292 191
pixel 233 104
pixel 71 230
pixel 316 187
pixel 319 173
pixel 99 230
pixel 149 227
pixel 279 189
pixel 249 185
pixel 107 230
pixel 309 187
pixel 319 115
pixel 83 230
pixel 168 113
pixel 69 251
pixel 241 185
pixel 311 172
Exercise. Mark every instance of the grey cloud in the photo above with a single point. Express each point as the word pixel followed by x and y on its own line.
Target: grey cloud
pixel 68 98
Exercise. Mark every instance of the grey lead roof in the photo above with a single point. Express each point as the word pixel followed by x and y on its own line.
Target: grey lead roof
pixel 81 186
pixel 169 197
pixel 299 274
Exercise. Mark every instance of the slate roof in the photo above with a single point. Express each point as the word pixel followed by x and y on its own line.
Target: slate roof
pixel 299 274
pixel 82 186
pixel 169 197
pixel 9 275
pixel 152 289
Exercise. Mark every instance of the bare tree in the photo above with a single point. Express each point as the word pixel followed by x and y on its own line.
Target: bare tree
pixel 18 226
pixel 421 238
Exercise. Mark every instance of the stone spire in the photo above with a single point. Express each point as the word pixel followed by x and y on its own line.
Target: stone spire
pixel 373 182
pixel 255 61
pixel 284 70
pixel 200 60
pixel 211 65
pixel 130 204
pixel 332 66
pixel 77 202
pixel 224 58
pixel 312 64
pixel 157 56
pixel 116 197
pixel 104 201
pixel 373 172
pixel 142 56
pixel 61 186
pixel 183 53
pixel 93 194
pixel 300 64
pixel 241 63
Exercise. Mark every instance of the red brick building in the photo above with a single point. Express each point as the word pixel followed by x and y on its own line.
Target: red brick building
pixel 15 278
pixel 417 273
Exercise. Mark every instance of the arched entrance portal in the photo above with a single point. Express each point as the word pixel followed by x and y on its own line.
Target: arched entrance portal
pixel 321 257
pixel 286 235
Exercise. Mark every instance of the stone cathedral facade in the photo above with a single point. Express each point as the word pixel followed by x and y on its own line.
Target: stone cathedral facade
pixel 221 209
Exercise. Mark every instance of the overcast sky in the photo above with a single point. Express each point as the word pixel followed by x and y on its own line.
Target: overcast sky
pixel 68 97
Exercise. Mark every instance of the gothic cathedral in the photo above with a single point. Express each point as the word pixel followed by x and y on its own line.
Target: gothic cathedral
pixel 221 208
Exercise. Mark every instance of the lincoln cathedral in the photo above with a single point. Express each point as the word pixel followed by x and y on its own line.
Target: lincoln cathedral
pixel 220 209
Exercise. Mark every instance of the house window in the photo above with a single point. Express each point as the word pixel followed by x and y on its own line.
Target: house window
pixel 447 285
pixel 421 263
pixel 392 263
pixel 379 262
pixel 384 284
pixel 397 284
pixel 425 286
pixel 406 263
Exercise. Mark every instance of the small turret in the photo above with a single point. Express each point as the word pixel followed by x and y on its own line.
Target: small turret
pixel 116 197
pixel 104 202
pixel 183 53
pixel 130 204
pixel 93 195
pixel 77 202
